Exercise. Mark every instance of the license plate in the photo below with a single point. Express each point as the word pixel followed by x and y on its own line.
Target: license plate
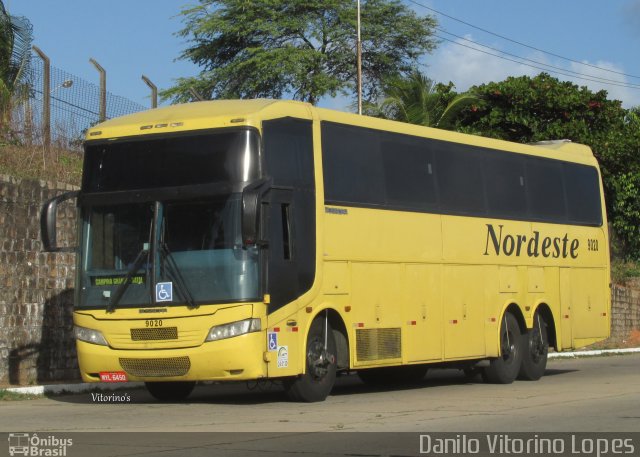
pixel 113 376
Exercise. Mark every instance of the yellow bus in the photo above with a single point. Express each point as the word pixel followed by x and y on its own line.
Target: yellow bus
pixel 263 239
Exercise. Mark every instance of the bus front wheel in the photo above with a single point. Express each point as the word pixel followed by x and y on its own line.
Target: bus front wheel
pixel 170 391
pixel 536 349
pixel 505 369
pixel 320 374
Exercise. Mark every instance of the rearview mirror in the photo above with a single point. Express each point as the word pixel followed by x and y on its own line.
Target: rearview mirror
pixel 48 219
pixel 251 201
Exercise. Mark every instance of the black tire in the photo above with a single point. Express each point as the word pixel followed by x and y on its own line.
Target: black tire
pixel 170 391
pixel 535 344
pixel 320 373
pixel 505 369
pixel 393 376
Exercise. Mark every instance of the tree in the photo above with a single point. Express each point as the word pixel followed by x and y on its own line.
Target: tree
pixel 15 51
pixel 526 110
pixel 416 99
pixel 301 48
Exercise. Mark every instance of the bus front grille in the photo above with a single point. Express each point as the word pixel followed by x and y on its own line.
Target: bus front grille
pixel 154 334
pixel 170 366
pixel 378 344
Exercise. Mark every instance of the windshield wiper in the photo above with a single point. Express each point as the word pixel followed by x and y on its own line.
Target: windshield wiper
pixel 174 270
pixel 142 255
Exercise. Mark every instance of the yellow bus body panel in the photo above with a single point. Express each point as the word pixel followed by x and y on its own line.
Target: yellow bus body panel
pixel 409 287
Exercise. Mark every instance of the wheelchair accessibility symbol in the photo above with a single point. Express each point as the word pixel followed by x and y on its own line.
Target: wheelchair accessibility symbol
pixel 272 340
pixel 164 291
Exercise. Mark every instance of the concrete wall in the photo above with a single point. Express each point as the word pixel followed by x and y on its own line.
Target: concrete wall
pixel 625 314
pixel 36 290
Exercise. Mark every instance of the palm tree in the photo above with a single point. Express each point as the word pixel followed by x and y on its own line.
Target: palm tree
pixel 16 36
pixel 416 99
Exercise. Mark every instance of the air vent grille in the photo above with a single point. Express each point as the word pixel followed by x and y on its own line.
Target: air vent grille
pixel 171 366
pixel 154 334
pixel 378 344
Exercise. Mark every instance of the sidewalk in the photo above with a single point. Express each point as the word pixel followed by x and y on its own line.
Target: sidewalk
pixel 101 386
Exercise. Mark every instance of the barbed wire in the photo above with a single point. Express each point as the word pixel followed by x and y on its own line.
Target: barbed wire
pixel 75 105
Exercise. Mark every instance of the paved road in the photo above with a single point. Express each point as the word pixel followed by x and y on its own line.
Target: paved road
pixel 579 395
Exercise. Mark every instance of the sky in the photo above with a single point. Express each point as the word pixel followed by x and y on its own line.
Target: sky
pixel 130 38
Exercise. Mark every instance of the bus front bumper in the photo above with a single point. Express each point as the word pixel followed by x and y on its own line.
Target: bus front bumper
pixel 232 359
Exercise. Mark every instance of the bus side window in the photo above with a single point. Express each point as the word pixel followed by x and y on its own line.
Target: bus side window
pixel 285 210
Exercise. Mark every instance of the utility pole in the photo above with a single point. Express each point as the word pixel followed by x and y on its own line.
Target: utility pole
pixel 103 89
pixel 359 63
pixel 46 99
pixel 154 91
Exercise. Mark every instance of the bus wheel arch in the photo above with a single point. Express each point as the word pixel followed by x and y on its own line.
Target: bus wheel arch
pixel 341 337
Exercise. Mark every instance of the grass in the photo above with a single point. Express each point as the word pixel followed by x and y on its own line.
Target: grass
pixel 623 271
pixel 33 162
pixel 6 395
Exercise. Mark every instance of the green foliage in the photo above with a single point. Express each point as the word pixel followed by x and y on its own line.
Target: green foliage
pixel 302 48
pixel 15 51
pixel 623 271
pixel 416 99
pixel 525 110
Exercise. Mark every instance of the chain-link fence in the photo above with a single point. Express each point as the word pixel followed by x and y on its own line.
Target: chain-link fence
pixel 74 107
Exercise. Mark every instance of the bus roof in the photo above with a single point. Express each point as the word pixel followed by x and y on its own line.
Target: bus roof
pixel 229 113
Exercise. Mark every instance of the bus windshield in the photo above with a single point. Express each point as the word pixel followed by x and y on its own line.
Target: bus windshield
pixel 162 214
pixel 199 253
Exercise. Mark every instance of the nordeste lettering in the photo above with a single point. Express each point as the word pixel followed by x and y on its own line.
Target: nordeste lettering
pixel 507 244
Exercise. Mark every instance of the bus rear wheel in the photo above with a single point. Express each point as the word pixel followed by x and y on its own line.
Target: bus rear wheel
pixel 505 369
pixel 536 349
pixel 320 374
pixel 170 391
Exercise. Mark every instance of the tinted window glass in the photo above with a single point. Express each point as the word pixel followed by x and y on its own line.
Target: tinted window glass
pixel 504 185
pixel 288 148
pixel 352 165
pixel 408 171
pixel 395 171
pixel 459 174
pixel 170 161
pixel 545 190
pixel 583 194
pixel 289 220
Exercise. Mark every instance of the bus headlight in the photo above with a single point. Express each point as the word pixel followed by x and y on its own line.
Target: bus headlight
pixel 89 336
pixel 220 332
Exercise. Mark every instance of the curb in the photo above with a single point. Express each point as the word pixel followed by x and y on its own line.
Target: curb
pixel 595 353
pixel 73 388
pixel 86 387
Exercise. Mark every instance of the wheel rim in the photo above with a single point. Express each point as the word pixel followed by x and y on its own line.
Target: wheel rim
pixel 509 347
pixel 537 348
pixel 318 360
